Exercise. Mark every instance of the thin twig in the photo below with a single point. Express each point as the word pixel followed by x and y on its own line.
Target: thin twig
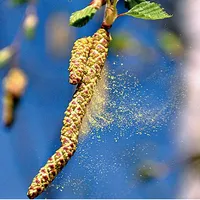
pixel 16 44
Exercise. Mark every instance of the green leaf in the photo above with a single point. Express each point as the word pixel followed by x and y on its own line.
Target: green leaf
pixel 149 11
pixel 131 3
pixel 82 17
pixel 19 2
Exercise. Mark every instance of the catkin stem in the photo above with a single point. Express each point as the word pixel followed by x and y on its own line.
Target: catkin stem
pixel 110 15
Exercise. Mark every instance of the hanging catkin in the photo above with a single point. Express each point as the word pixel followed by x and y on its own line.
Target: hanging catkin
pixel 14 85
pixel 79 57
pixel 74 115
pixel 53 166
pixel 77 107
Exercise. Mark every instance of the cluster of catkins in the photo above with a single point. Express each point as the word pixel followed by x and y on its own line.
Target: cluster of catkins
pixel 87 60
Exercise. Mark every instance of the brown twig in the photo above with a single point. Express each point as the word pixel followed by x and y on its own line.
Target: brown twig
pixel 110 14
pixel 16 44
pixel 98 3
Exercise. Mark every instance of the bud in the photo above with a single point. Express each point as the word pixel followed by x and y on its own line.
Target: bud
pixel 5 55
pixel 97 4
pixel 30 24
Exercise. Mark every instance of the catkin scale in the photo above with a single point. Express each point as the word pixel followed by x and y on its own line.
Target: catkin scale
pixel 80 53
pixel 74 115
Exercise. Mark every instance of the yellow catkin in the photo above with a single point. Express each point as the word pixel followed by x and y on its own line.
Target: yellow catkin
pixel 77 107
pixel 14 85
pixel 74 115
pixel 15 82
pixel 79 57
pixel 53 166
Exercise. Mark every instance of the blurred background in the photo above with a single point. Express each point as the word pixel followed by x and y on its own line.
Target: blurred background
pixel 140 138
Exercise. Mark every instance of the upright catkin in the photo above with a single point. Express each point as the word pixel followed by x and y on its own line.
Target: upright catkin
pixel 79 57
pixel 74 115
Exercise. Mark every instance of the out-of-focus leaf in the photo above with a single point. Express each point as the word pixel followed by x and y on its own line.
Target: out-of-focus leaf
pixel 171 43
pixel 149 11
pixel 59 36
pixel 122 41
pixel 19 2
pixel 150 170
pixel 82 17
pixel 131 3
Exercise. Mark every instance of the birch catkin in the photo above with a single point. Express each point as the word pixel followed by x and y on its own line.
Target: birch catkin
pixel 74 115
pixel 77 107
pixel 53 166
pixel 15 82
pixel 14 85
pixel 80 53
